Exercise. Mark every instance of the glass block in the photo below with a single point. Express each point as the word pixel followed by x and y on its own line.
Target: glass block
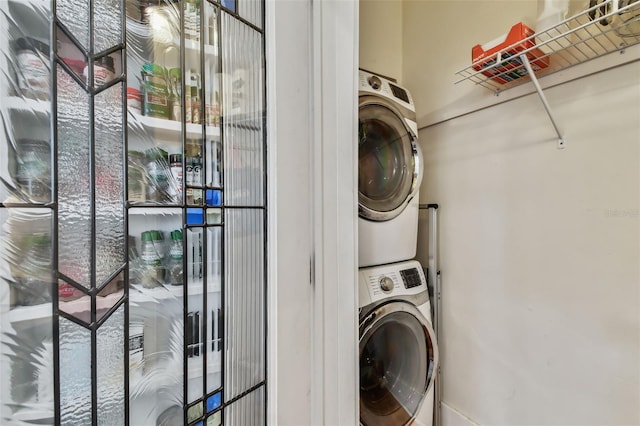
pixel 107 21
pixel 26 348
pixel 195 412
pixel 26 255
pixel 214 401
pixel 74 214
pixel 29 171
pixel 211 76
pixel 75 374
pixel 109 182
pixel 25 149
pixel 105 69
pixel 156 324
pixel 74 14
pixel 195 216
pixel 244 331
pixel 194 169
pixel 150 252
pixel 73 301
pixel 214 216
pixel 252 11
pixel 194 341
pixel 110 294
pixel 71 54
pixel 213 197
pixel 215 324
pixel 214 154
pixel 247 411
pixel 229 4
pixel 110 369
pixel 215 419
pixel 243 108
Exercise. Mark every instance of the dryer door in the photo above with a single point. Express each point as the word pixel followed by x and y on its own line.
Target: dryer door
pixel 388 161
pixel 398 360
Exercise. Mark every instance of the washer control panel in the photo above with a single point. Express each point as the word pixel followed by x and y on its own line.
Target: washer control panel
pixel 393 280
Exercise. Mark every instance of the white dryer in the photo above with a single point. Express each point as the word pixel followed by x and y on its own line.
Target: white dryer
pixel 389 172
pixel 398 348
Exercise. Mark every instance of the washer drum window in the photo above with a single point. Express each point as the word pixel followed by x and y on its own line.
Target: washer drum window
pixel 397 364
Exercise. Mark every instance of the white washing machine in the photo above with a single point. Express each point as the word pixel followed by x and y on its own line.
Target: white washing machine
pixel 398 348
pixel 389 172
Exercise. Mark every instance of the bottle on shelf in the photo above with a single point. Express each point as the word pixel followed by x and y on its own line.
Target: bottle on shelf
pixel 137 177
pixel 30 168
pixel 187 97
pixel 195 105
pixel 175 163
pixel 158 172
pixel 174 267
pixel 155 94
pixel 152 272
pixel 175 85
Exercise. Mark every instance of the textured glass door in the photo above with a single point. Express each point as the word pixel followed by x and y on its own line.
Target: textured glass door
pixel 132 212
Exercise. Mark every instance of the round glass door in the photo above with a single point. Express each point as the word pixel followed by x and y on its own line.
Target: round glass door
pixel 386 163
pixel 396 367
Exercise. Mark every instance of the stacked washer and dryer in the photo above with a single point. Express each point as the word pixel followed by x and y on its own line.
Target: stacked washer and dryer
pixel 398 349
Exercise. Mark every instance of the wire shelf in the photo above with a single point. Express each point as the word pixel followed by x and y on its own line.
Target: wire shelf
pixel 609 26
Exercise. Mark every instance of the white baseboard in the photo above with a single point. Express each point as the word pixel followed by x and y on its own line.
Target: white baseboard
pixel 452 417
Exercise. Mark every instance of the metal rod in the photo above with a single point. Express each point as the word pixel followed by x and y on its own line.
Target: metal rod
pixel 536 84
pixel 434 274
pixel 433 277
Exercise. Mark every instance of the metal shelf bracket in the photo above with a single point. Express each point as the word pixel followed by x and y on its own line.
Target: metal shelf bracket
pixel 536 84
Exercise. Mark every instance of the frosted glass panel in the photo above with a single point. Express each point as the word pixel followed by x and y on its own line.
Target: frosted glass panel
pixel 195 314
pixel 75 374
pixel 244 300
pixel 74 14
pixel 242 106
pixel 74 302
pixel 251 10
pixel 109 187
pixel 26 255
pixel 109 296
pixel 247 411
pixel 156 325
pixel 215 419
pixel 26 348
pixel 110 370
pixel 214 309
pixel 74 227
pixel 107 24
pixel 25 153
pixel 71 54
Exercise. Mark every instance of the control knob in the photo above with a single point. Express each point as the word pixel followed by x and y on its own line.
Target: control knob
pixel 374 82
pixel 386 284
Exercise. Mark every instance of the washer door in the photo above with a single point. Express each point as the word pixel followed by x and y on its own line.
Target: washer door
pixel 398 359
pixel 388 161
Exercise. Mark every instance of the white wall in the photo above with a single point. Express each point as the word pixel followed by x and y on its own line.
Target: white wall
pixel 540 248
pixel 540 251
pixel 381 37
